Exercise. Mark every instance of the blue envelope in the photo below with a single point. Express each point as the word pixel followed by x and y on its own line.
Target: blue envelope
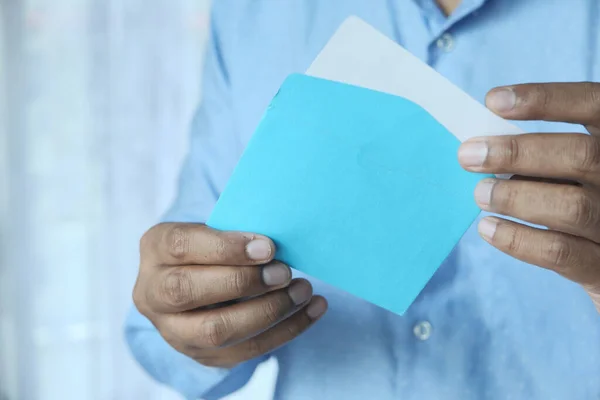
pixel 357 188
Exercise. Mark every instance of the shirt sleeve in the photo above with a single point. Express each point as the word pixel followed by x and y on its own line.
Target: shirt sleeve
pixel 213 153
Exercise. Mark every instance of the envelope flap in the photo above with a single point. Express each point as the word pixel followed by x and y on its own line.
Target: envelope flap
pixel 358 188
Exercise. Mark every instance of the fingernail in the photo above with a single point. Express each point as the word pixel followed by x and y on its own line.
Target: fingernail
pixel 487 228
pixel 473 153
pixel 483 192
pixel 276 274
pixel 300 292
pixel 316 308
pixel 258 250
pixel 501 100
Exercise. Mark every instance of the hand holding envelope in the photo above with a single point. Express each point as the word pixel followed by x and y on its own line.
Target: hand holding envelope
pixel 558 183
pixel 218 297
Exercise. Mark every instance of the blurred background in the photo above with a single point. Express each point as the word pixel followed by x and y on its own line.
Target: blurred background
pixel 96 97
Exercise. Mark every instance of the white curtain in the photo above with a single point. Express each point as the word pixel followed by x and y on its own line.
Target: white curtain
pixel 96 97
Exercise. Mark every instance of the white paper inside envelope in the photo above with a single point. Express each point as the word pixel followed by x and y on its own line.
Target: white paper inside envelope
pixel 360 55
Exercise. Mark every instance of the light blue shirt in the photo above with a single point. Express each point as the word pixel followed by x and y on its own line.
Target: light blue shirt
pixel 486 326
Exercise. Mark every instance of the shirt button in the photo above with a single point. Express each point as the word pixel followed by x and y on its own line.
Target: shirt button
pixel 422 330
pixel 446 42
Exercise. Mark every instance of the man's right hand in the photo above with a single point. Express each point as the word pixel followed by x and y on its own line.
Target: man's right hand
pixel 218 297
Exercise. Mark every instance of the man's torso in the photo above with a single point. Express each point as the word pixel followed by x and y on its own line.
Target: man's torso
pixel 486 326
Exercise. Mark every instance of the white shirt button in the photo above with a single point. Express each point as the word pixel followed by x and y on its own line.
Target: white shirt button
pixel 422 330
pixel 445 42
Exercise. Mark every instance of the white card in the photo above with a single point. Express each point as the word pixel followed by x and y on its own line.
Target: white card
pixel 360 55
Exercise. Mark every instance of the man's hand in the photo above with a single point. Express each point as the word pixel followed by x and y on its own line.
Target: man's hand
pixel 561 190
pixel 218 297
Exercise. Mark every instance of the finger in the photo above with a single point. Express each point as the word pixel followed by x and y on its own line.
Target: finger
pixel 577 103
pixel 184 288
pixel 570 209
pixel 216 328
pixel 269 340
pixel 185 244
pixel 575 258
pixel 560 156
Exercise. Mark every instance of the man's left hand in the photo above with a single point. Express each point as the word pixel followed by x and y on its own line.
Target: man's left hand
pixel 556 183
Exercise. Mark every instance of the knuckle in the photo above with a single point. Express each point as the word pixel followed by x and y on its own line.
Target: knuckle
pixel 558 252
pixel 578 208
pixel 238 283
pixel 505 197
pixel 274 310
pixel 515 239
pixel 178 241
pixel 177 288
pixel 585 154
pixel 541 100
pixel 592 97
pixel 514 152
pixel 545 96
pixel 509 153
pixel 218 248
pixel 213 332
